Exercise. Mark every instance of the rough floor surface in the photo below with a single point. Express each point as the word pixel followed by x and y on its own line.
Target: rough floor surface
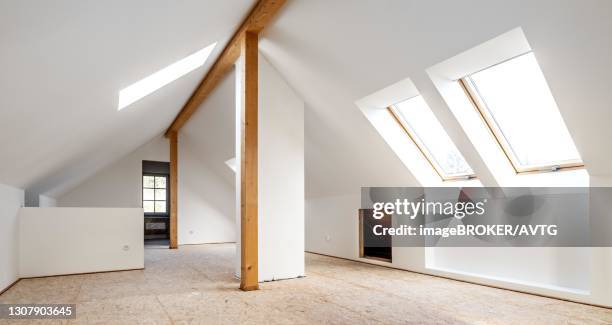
pixel 196 285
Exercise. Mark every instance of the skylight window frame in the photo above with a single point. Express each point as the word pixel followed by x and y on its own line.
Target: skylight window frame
pixel 471 91
pixel 423 149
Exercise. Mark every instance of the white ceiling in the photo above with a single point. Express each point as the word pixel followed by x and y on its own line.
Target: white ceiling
pixel 356 48
pixel 63 64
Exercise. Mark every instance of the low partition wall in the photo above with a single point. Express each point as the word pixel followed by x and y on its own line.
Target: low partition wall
pixel 59 241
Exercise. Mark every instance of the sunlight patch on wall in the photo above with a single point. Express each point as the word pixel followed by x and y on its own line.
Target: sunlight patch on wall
pixel 148 85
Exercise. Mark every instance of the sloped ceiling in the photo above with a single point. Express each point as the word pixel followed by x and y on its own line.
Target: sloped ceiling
pixel 336 52
pixel 63 64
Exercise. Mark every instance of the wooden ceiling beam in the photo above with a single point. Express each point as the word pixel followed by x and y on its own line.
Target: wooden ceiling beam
pixel 259 17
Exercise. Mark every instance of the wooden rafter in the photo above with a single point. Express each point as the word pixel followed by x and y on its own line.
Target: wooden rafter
pixel 257 20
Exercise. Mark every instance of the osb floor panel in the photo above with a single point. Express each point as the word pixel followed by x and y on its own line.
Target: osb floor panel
pixel 195 285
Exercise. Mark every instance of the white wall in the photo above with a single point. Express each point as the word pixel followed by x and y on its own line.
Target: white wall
pixel 580 274
pixel 54 241
pixel 46 201
pixel 557 268
pixel 280 176
pixel 205 187
pixel 206 200
pixel 332 225
pixel 601 257
pixel 344 152
pixel 120 184
pixel 11 200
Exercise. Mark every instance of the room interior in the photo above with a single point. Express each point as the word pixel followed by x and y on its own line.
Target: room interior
pixel 203 161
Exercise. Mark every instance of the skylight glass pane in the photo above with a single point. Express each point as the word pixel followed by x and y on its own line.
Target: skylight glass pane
pixel 431 136
pixel 146 86
pixel 520 104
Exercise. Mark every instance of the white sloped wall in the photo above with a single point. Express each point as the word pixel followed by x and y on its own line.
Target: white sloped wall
pixel 11 200
pixel 280 176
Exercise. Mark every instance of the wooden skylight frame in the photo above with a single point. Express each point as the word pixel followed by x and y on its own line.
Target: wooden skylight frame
pixel 476 100
pixel 424 151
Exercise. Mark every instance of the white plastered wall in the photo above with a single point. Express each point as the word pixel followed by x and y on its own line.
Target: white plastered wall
pixel 56 241
pixel 280 176
pixel 11 200
pixel 45 201
pixel 206 202
pixel 206 185
pixel 120 184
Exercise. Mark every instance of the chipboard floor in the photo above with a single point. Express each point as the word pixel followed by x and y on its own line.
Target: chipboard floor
pixel 196 285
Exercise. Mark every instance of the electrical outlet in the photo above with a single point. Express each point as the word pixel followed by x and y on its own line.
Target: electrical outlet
pixel 327 237
pixel 126 247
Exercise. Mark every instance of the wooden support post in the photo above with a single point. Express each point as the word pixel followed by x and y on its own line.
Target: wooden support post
pixel 173 137
pixel 248 161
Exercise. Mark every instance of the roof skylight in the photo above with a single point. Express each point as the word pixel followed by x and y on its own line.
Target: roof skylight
pixel 517 105
pixel 148 85
pixel 421 125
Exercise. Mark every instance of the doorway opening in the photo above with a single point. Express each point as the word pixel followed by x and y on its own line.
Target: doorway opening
pixel 156 203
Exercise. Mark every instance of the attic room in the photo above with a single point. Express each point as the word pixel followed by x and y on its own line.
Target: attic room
pixel 306 161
